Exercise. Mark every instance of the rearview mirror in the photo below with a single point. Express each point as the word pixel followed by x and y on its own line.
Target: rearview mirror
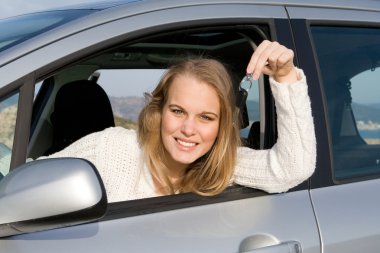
pixel 50 193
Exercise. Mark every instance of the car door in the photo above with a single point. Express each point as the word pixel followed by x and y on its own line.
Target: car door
pixel 345 46
pixel 239 220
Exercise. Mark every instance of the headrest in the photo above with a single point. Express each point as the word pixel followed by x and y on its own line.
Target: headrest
pixel 81 107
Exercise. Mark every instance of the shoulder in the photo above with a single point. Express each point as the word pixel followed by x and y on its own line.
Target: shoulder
pixel 118 131
pixel 117 136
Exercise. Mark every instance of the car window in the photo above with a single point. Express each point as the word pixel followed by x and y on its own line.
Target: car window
pixel 128 71
pixel 8 113
pixel 125 73
pixel 349 60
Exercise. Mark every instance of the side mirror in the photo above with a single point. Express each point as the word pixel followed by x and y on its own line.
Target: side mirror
pixel 50 193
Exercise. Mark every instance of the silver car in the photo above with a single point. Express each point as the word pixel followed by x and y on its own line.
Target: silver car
pixel 65 73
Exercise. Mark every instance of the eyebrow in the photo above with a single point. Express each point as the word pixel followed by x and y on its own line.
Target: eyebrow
pixel 204 112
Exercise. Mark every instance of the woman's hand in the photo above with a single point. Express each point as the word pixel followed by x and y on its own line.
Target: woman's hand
pixel 274 59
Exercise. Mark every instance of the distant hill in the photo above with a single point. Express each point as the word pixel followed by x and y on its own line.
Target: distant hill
pixel 7 126
pixel 127 107
pixel 375 105
pixel 370 112
pixel 10 101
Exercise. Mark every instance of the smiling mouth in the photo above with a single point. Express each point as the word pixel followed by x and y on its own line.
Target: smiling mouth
pixel 185 143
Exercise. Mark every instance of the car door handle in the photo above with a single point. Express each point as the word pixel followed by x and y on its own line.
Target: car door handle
pixel 285 247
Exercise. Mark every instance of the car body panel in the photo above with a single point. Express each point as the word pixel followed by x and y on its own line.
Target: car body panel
pixel 211 228
pixel 321 14
pixel 348 216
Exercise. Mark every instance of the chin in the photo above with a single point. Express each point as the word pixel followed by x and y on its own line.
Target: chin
pixel 185 160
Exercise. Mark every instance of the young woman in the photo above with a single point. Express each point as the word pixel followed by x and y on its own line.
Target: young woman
pixel 188 139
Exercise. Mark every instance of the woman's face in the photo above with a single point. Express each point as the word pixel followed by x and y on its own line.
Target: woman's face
pixel 190 121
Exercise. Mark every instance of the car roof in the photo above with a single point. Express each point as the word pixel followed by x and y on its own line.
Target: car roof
pixel 371 5
pixel 345 4
pixel 101 5
pixel 107 11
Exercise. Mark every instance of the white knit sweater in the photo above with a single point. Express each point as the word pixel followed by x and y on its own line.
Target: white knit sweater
pixel 116 154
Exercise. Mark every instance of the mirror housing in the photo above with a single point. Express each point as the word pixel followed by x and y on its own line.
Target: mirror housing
pixel 50 193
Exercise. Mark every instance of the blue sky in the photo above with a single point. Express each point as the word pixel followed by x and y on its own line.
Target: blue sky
pixel 16 7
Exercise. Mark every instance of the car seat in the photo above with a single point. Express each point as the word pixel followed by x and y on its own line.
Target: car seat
pixel 253 140
pixel 81 107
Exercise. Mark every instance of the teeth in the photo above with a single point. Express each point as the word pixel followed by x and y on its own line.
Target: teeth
pixel 186 144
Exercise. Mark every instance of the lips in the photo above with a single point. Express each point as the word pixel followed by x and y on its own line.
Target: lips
pixel 185 143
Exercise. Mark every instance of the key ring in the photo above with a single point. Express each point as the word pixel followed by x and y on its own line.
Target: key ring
pixel 246 82
pixel 241 113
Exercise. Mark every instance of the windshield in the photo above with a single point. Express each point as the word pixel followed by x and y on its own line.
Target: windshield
pixel 17 29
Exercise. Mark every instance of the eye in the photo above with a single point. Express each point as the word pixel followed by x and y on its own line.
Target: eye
pixel 177 111
pixel 206 117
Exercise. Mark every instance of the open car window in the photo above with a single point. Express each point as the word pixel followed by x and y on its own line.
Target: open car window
pixel 107 89
pixel 127 71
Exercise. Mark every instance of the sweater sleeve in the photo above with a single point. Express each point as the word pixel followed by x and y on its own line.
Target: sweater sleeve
pixel 292 159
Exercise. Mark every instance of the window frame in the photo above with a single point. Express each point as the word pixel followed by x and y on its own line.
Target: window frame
pixel 165 203
pixel 279 30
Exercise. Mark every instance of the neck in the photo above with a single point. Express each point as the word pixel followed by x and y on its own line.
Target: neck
pixel 176 170
pixel 174 174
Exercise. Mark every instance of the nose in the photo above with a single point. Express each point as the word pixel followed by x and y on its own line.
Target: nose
pixel 188 127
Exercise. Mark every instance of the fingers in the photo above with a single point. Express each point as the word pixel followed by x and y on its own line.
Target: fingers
pixel 271 58
pixel 278 57
pixel 258 60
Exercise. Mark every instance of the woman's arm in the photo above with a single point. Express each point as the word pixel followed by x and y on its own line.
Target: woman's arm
pixel 292 159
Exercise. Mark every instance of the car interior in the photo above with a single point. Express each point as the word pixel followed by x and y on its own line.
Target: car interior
pixel 70 104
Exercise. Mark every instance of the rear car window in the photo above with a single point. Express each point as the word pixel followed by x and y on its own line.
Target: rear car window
pixel 349 60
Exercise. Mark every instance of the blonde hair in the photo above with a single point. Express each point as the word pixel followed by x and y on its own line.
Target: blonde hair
pixel 211 173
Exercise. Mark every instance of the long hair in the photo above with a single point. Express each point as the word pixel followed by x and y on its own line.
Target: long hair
pixel 211 173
